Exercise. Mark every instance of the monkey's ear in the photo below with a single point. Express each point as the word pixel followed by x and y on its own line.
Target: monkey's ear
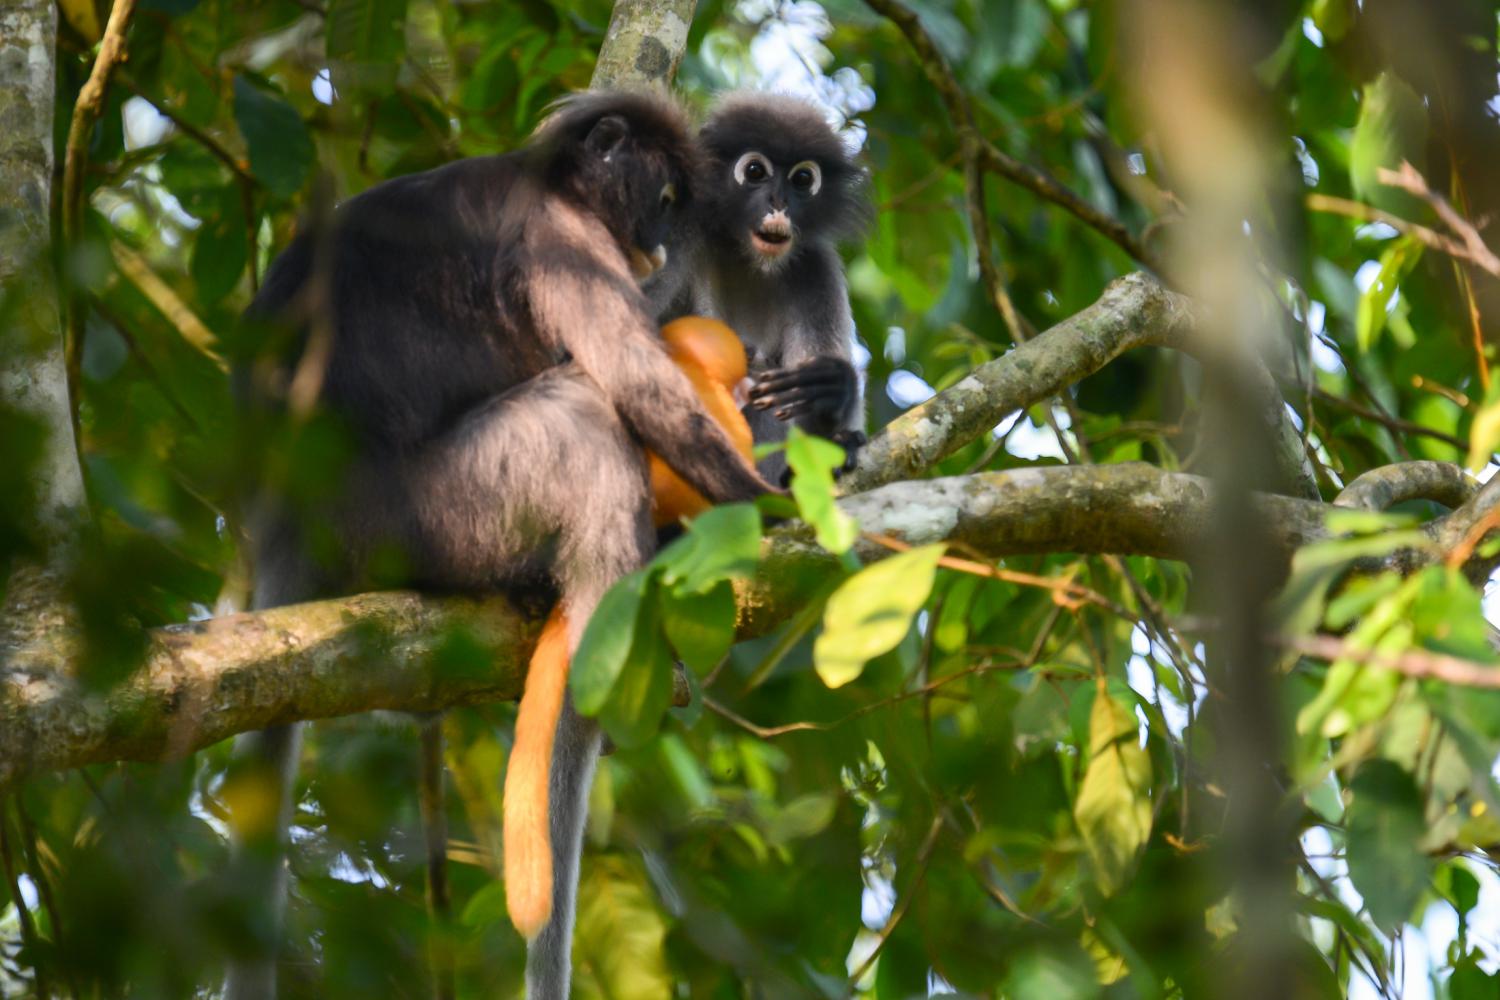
pixel 607 133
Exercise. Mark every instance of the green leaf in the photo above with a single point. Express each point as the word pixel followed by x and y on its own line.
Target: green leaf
pixel 632 713
pixel 812 461
pixel 871 612
pixel 1395 263
pixel 364 41
pixel 1113 810
pixel 700 626
pixel 606 642
pixel 722 543
pixel 1392 127
pixel 1484 432
pixel 1459 886
pixel 281 153
pixel 1470 982
pixel 1333 17
pixel 1385 825
pixel 221 248
pixel 622 933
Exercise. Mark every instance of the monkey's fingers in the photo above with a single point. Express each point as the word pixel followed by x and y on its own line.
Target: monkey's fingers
pixel 831 396
pixel 782 379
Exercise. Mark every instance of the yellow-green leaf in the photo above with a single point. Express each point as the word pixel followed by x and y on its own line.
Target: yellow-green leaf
pixel 871 612
pixel 1113 810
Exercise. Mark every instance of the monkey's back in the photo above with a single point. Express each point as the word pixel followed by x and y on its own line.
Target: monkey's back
pixel 411 267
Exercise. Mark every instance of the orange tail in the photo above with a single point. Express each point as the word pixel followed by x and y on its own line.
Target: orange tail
pixel 528 840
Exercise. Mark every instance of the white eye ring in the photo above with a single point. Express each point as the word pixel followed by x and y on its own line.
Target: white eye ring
pixel 817 175
pixel 743 164
pixel 668 194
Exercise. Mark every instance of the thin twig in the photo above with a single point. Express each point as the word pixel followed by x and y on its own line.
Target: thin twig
pixel 990 158
pixel 1393 423
pixel 435 829
pixel 1474 249
pixel 168 303
pixel 75 163
pixel 236 166
pixel 1431 238
pixel 23 915
pixel 1064 592
pixel 1465 548
pixel 924 854
pixel 1417 663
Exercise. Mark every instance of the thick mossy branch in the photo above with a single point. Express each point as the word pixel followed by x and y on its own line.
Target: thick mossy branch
pixel 1383 488
pixel 1134 311
pixel 203 682
pixel 206 681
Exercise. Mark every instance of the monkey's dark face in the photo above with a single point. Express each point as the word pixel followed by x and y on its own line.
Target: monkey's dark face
pixel 782 180
pixel 639 185
pixel 777 200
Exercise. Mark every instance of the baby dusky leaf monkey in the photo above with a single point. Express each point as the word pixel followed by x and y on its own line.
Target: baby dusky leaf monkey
pixel 783 191
pixel 491 344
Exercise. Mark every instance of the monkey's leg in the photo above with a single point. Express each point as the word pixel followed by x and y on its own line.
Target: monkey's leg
pixel 259 794
pixel 547 462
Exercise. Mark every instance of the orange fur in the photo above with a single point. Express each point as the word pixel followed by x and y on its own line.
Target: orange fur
pixel 528 844
pixel 711 356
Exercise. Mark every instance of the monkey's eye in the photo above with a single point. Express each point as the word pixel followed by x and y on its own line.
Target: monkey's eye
pixel 807 177
pixel 752 168
pixel 668 194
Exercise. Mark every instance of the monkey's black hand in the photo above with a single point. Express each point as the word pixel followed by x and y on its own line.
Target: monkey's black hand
pixel 851 442
pixel 817 393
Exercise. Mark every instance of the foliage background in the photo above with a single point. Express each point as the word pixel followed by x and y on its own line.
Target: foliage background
pixel 1017 799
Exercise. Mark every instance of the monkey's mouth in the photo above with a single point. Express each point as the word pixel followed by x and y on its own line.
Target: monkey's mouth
pixel 644 265
pixel 773 237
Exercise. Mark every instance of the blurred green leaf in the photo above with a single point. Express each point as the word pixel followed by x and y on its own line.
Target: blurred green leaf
pixel 281 153
pixel 812 461
pixel 722 543
pixel 364 41
pixel 1113 810
pixel 700 626
pixel 1385 825
pixel 1392 128
pixel 871 612
pixel 606 644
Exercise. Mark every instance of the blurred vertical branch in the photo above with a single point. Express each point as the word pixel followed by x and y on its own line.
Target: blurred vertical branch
pixel 33 379
pixel 1199 101
pixel 75 160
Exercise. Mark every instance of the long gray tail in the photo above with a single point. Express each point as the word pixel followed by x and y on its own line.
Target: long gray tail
pixel 574 755
pixel 266 763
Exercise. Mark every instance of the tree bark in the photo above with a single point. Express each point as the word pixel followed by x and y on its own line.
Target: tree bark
pixel 645 43
pixel 33 380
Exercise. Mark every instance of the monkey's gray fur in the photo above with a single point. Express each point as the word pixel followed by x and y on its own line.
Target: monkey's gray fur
pixel 491 351
pixel 782 192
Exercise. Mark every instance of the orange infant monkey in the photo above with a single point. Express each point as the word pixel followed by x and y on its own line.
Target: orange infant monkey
pixel 712 357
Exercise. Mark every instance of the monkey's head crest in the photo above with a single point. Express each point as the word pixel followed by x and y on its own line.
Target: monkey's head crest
pixel 628 157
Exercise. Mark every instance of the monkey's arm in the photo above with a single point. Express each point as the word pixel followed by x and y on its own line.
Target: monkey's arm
pixel 817 385
pixel 582 297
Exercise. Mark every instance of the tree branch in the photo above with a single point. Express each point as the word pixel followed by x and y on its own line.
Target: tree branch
pixel 644 44
pixel 1382 488
pixel 75 162
pixel 1134 311
pixel 203 682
